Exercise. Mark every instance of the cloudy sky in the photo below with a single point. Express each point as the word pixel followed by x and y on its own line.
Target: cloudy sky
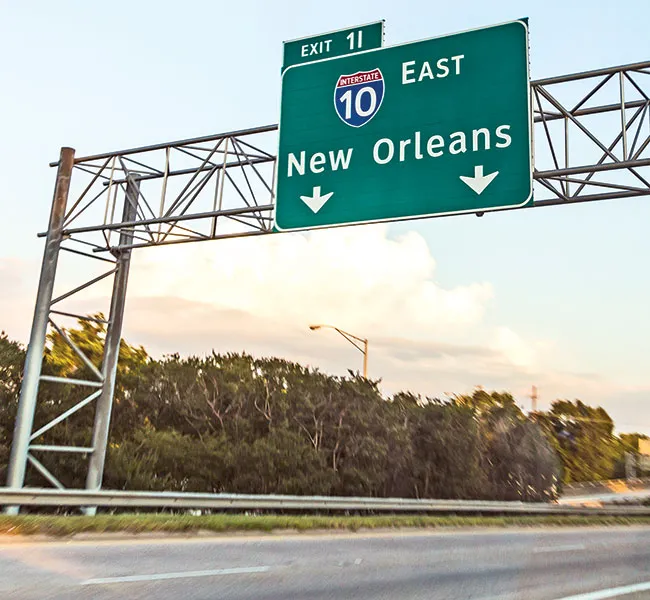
pixel 553 297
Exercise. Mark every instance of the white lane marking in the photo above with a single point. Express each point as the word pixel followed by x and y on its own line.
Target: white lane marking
pixel 180 575
pixel 565 548
pixel 611 592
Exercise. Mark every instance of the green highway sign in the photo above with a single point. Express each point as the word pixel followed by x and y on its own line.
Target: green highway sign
pixel 333 44
pixel 435 127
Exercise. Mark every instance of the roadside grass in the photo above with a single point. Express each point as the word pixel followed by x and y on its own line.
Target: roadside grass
pixel 62 525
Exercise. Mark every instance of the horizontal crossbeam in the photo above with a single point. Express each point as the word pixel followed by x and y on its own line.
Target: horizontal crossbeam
pixel 163 146
pixel 72 449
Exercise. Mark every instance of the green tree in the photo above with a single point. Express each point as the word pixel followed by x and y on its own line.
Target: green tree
pixel 12 358
pixel 517 460
pixel 627 444
pixel 236 423
pixel 584 439
pixel 89 337
pixel 523 465
pixel 447 451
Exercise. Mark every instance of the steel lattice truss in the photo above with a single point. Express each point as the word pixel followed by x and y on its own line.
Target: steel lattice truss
pixel 592 142
pixel 592 135
pixel 204 188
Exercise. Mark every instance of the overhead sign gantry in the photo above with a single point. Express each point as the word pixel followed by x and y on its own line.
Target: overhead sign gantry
pixel 466 152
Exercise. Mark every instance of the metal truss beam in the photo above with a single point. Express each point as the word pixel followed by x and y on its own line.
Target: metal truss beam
pixel 592 142
pixel 209 187
pixel 592 135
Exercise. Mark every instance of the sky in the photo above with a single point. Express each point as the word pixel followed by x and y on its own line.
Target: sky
pixel 555 297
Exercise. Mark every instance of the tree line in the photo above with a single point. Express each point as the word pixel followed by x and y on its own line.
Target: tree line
pixel 240 424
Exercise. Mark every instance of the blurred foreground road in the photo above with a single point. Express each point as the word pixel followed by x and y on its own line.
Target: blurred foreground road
pixel 529 564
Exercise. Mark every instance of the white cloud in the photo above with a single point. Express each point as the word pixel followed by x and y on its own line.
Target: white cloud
pixel 356 278
pixel 514 348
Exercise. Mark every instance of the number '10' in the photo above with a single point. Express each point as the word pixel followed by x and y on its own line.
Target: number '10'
pixel 358 109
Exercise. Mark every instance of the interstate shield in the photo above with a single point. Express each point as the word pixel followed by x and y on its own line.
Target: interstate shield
pixel 358 97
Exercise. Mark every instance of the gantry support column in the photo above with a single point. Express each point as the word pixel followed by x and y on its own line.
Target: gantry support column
pixel 34 358
pixel 112 344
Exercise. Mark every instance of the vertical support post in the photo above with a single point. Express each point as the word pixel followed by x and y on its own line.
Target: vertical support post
pixel 218 190
pixel 112 344
pixel 34 357
pixel 621 80
pixel 566 154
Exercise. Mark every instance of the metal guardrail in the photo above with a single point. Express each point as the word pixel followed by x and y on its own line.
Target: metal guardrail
pixel 127 499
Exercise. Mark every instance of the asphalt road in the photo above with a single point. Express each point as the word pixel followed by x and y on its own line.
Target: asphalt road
pixel 531 564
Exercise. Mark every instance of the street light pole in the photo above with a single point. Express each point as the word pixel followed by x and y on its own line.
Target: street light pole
pixel 354 340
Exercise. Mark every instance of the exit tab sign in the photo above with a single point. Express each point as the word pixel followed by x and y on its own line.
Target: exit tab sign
pixel 333 44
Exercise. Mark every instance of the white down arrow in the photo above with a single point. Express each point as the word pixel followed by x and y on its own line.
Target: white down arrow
pixel 479 182
pixel 316 201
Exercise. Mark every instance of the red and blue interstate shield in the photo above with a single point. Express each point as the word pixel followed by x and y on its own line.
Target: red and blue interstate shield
pixel 357 97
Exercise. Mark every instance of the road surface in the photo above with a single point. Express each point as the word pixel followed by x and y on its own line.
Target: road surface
pixel 531 564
